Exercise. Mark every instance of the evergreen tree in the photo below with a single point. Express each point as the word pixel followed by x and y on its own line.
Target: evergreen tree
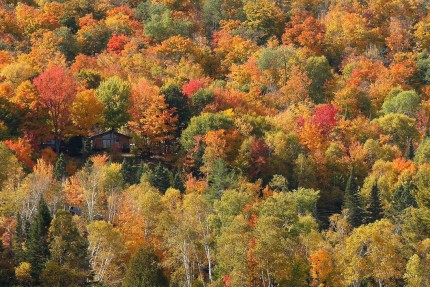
pixel 19 239
pixel 351 201
pixel 37 243
pixel 220 179
pixel 68 265
pixel 402 199
pixel 128 172
pixel 374 210
pixel 410 152
pixel 176 181
pixel 159 177
pixel 144 270
pixel 141 170
pixel 60 168
pixel 6 266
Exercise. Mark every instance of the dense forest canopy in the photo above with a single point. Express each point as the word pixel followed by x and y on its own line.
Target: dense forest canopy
pixel 273 143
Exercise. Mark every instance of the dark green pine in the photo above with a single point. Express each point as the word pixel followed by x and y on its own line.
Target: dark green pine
pixel 402 199
pixel 128 172
pixel 352 202
pixel 60 168
pixel 19 239
pixel 37 243
pixel 160 177
pixel 374 210
pixel 7 272
pixel 410 152
pixel 176 181
pixel 144 270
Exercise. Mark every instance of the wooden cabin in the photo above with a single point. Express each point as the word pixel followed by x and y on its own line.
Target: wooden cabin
pixel 110 140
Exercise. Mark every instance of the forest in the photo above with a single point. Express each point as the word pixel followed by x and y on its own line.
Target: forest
pixel 272 143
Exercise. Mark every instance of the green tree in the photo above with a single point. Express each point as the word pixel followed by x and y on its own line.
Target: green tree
pixel 19 239
pixel 93 40
pixel 374 210
pixel 422 154
pixel 114 93
pixel 60 168
pixel 410 151
pixel 201 125
pixel 144 270
pixel 399 127
pixel 37 243
pixel 89 78
pixel 351 201
pixel 161 25
pixel 402 199
pixel 6 266
pixel 319 71
pixel 200 99
pixel 176 181
pixel 67 43
pixel 159 176
pixel 279 183
pixel 402 102
pixel 177 100
pixel 304 171
pixel 220 178
pixel 423 64
pixel 129 172
pixel 212 11
pixel 68 265
pixel 276 63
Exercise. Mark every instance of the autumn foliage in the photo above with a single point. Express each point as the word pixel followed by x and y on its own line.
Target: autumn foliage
pixel 231 143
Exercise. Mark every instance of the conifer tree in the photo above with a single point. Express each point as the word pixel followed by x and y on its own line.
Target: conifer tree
pixel 19 239
pixel 351 202
pixel 402 199
pixel 159 177
pixel 60 168
pixel 68 265
pixel 6 266
pixel 410 152
pixel 220 179
pixel 37 243
pixel 144 270
pixel 176 181
pixel 374 210
pixel 128 172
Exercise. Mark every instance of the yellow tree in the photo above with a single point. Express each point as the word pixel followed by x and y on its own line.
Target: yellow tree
pixel 87 111
pixel 420 261
pixel 11 174
pixel 39 183
pixel 113 183
pixel 371 251
pixel 107 253
pixel 85 188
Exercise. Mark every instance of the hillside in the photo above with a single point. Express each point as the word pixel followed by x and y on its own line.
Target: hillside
pixel 215 143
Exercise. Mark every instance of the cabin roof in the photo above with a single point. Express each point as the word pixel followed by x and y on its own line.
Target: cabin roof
pixel 108 132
